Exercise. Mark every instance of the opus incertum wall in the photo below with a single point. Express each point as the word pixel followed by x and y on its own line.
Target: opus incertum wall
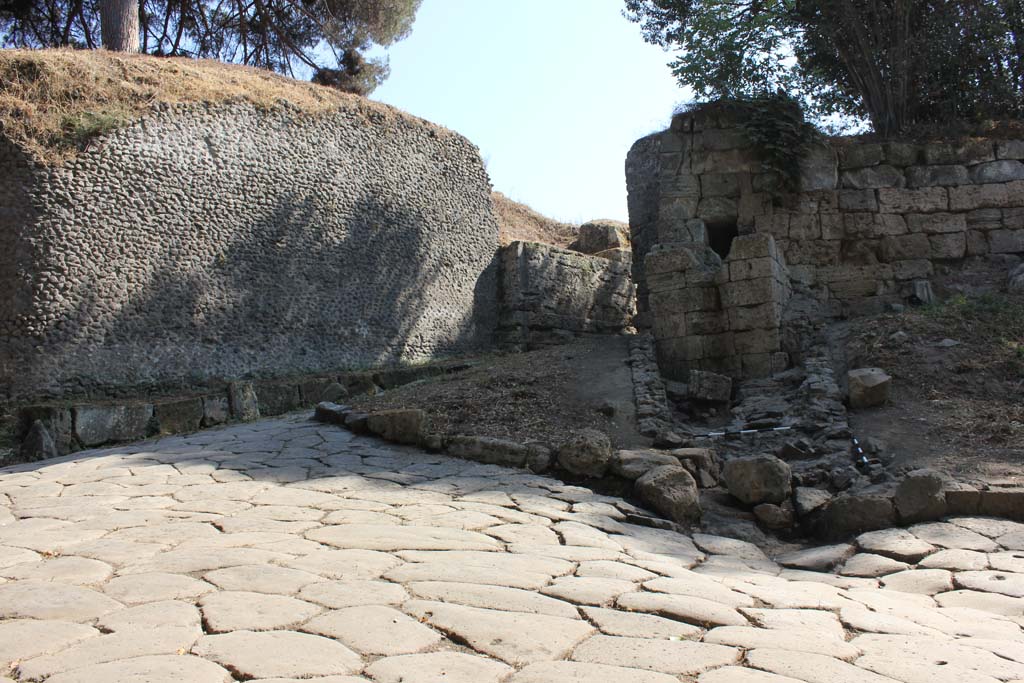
pixel 209 243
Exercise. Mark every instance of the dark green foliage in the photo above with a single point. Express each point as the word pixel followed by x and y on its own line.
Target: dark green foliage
pixel 895 62
pixel 325 38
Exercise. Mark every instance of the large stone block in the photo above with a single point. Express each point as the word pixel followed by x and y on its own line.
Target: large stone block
pixel 902 153
pixel 873 177
pixel 858 200
pixel 753 246
pixel 276 398
pixel 710 386
pixel 717 209
pixel 181 416
pixel 951 246
pixel 399 426
pixel 1006 241
pixel 243 401
pixel 758 479
pixel 763 316
pixel 971 197
pixel 967 152
pixel 997 171
pixel 805 227
pixel 757 341
pixel 600 235
pixel 934 223
pixel 922 200
pixel 860 155
pixel 672 491
pixel 707 322
pixel 720 185
pixel 1010 149
pixel 868 387
pixel 905 247
pixel 912 270
pixel 937 176
pixel 587 452
pixel 985 219
pixel 819 169
pixel 751 269
pixel 100 424
pixel 751 292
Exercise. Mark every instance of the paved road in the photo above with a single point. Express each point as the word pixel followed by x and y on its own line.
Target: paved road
pixel 285 551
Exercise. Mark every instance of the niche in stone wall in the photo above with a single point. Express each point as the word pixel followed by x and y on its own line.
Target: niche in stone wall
pixel 721 233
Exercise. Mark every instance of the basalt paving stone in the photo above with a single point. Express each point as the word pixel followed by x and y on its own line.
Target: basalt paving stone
pixel 262 578
pixel 735 674
pixel 898 544
pixel 613 622
pixel 513 637
pixel 152 615
pixel 344 564
pixel 1005 583
pixel 957 560
pixel 946 535
pixel 923 581
pixel 27 638
pixel 493 597
pixel 869 565
pixel 818 621
pixel 749 638
pixel 281 654
pixel 582 672
pixel 391 538
pixel 449 667
pixel 340 594
pixel 692 610
pixel 588 590
pixel 134 589
pixel 47 600
pixel 374 630
pixel 676 657
pixel 699 586
pixel 157 669
pixel 606 569
pixel 226 611
pixel 810 668
pixel 934 651
pixel 70 570
pixel 1010 561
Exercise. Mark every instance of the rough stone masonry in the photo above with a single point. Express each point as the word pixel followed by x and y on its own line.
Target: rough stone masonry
pixel 221 242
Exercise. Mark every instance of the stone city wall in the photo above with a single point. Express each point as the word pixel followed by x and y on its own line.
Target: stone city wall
pixel 209 243
pixel 551 295
pixel 869 221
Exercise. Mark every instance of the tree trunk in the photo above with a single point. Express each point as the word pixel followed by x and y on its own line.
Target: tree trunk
pixel 119 22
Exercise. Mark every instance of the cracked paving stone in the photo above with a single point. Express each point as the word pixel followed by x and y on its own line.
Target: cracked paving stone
pixel 676 657
pixel 154 669
pixel 152 615
pixel 749 638
pixel 735 674
pixel 450 667
pixel 513 571
pixel 692 610
pixel 111 648
pixel 280 654
pixel 956 560
pixel 1011 561
pixel 340 594
pixel 797 619
pixel 923 581
pixel 516 638
pixel 810 668
pixel 73 570
pixel 27 638
pixel 345 564
pixel 261 578
pixel 375 630
pixel 493 597
pixel 898 544
pixel 47 600
pixel 12 556
pixel 606 569
pixel 582 672
pixel 226 611
pixel 200 559
pixel 391 538
pixel 938 652
pixel 986 602
pixel 867 621
pixel 869 565
pixel 946 535
pixel 134 589
pixel 612 622
pixel 698 586
pixel 588 590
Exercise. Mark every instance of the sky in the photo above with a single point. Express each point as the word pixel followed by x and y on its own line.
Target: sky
pixel 553 92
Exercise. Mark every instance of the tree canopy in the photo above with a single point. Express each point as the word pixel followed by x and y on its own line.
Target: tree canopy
pixel 325 38
pixel 894 62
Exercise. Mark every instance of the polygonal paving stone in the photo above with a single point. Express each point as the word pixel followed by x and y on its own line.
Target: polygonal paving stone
pixel 818 621
pixel 1006 583
pixel 612 622
pixel 988 526
pixel 811 668
pixel 957 560
pixel 375 630
pixel 493 597
pixel 588 590
pixel 500 569
pixel 923 581
pixel 111 648
pixel 822 558
pixel 11 556
pixel 117 552
pixel 1011 561
pixel 74 570
pixel 698 586
pixel 735 674
pixel 135 589
pixel 915 670
pixel 384 537
pixel 867 621
pixel 898 544
pixel 47 600
pixel 749 638
pixel 262 578
pixel 152 615
pixel 524 533
pixel 605 569
pixel 870 565
pixel 514 637
pixel 995 603
pixel 936 651
pixel 27 638
pixel 692 610
pixel 340 594
pixel 226 611
pixel 582 672
pixel 677 657
pixel 450 667
pixel 158 669
pixel 946 535
pixel 189 560
pixel 281 654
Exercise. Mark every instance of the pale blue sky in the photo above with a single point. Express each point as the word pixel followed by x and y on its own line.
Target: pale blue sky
pixel 553 92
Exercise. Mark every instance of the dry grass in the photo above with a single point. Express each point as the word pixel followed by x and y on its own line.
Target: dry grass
pixel 519 222
pixel 53 102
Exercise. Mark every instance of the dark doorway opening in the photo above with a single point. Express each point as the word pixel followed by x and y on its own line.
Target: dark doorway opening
pixel 720 236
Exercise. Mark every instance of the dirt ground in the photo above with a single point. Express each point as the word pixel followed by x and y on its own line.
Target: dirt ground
pixel 533 396
pixel 958 391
